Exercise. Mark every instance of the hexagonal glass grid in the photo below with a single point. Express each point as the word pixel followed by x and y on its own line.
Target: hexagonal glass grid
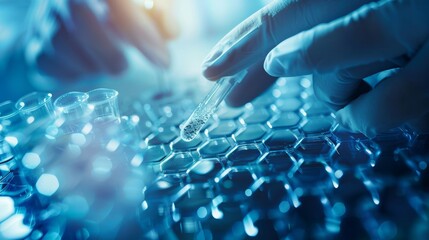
pixel 177 163
pixel 288 104
pixel 317 125
pixel 168 187
pixel 315 108
pixel 223 129
pixel 235 181
pixel 281 139
pixel 257 116
pixel 164 136
pixel 181 145
pixel 227 113
pixel 285 120
pixel 204 170
pixel 342 134
pixel 215 147
pixel 352 154
pixel 250 133
pixel 315 175
pixel 279 161
pixel 155 154
pixel 263 100
pixel 269 193
pixel 314 147
pixel 195 202
pixel 243 155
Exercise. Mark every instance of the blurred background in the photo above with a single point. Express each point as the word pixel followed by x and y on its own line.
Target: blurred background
pixel 85 170
pixel 199 24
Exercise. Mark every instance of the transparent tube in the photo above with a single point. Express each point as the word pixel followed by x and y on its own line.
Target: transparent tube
pixel 103 104
pixel 9 121
pixel 72 111
pixel 36 107
pixel 72 105
pixel 6 152
pixel 9 117
pixel 208 106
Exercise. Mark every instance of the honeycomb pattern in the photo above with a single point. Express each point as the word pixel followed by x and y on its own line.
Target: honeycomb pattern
pixel 278 168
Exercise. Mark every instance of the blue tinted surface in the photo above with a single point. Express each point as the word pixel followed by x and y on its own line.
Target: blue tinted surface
pixel 278 168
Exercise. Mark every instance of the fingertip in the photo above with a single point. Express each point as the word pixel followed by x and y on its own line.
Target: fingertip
pixel 209 72
pixel 255 83
pixel 273 66
pixel 344 118
pixel 218 70
pixel 348 120
pixel 341 119
pixel 212 57
pixel 234 102
pixel 290 58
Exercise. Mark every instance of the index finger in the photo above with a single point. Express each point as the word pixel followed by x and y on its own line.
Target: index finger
pixel 251 40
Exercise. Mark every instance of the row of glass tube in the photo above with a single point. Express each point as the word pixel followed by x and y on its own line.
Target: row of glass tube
pixel 32 122
pixel 35 108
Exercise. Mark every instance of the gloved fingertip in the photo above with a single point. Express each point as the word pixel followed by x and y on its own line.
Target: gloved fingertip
pixel 273 66
pixel 346 120
pixel 212 57
pixel 211 72
pixel 206 71
pixel 287 60
pixel 341 119
pixel 234 102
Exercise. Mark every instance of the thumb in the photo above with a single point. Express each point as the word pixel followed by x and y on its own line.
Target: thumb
pixel 397 99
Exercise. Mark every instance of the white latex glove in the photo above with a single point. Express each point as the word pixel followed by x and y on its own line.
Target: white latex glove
pixel 343 44
pixel 247 45
pixel 378 36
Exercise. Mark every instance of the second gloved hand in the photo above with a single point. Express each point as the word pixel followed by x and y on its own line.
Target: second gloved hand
pixel 88 35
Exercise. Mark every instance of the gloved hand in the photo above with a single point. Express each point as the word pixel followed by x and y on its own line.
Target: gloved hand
pixel 89 35
pixel 352 43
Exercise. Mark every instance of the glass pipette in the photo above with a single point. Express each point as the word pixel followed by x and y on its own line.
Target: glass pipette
pixel 208 106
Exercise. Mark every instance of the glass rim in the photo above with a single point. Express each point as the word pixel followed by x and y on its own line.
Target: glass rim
pixel 109 95
pixel 20 104
pixel 78 97
pixel 9 115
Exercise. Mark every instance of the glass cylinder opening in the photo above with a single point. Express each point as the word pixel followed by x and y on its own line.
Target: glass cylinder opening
pixel 72 105
pixel 9 116
pixel 103 103
pixel 6 152
pixel 35 106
